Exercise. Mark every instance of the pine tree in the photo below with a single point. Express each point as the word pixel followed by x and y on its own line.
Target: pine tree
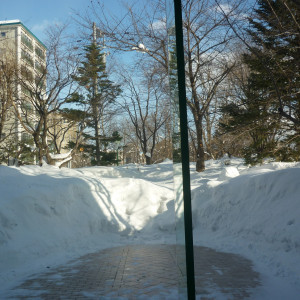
pixel 275 59
pixel 251 118
pixel 98 93
pixel 275 65
pixel 270 110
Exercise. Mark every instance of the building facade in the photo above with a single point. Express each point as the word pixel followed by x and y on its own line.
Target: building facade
pixel 23 52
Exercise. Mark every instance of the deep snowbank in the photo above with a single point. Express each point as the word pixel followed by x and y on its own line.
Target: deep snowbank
pixel 48 215
pixel 260 207
pixel 253 212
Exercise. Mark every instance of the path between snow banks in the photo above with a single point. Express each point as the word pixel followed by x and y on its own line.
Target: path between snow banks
pixel 141 272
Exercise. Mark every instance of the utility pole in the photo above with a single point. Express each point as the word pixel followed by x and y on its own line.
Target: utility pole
pixel 95 106
pixel 94 33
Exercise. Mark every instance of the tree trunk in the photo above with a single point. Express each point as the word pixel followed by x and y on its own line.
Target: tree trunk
pixel 199 147
pixel 50 161
pixel 148 160
pixel 39 147
pixel 97 133
pixel 200 161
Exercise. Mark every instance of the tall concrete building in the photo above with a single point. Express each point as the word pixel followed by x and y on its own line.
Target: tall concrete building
pixel 18 41
pixel 20 48
pixel 25 54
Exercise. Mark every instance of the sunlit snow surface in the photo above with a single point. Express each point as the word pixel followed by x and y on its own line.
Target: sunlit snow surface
pixel 50 215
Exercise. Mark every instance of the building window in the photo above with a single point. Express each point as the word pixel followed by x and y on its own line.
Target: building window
pixel 26 73
pixel 27 57
pixel 26 41
pixel 39 52
pixel 3 34
pixel 39 67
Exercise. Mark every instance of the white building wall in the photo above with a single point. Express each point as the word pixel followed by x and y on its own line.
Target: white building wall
pixel 11 44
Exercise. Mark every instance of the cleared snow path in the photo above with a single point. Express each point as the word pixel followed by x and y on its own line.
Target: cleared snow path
pixel 141 272
pixel 49 216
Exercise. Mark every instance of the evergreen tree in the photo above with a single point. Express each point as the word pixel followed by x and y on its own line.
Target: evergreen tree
pixel 270 108
pixel 22 151
pixel 275 59
pixel 251 118
pixel 98 93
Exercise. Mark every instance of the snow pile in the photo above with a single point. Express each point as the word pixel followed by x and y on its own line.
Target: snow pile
pixel 229 172
pixel 238 207
pixel 255 214
pixel 48 215
pixel 61 158
pixel 261 206
pixel 47 212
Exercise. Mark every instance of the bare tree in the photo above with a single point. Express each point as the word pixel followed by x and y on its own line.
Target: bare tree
pixel 144 102
pixel 141 28
pixel 7 92
pixel 45 92
pixel 206 43
pixel 61 131
pixel 232 142
pixel 207 35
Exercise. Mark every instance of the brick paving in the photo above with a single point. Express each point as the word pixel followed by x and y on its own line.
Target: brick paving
pixel 140 272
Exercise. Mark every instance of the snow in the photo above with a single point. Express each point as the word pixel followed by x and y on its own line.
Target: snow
pixel 255 214
pixel 61 158
pixel 50 215
pixel 61 155
pixel 10 21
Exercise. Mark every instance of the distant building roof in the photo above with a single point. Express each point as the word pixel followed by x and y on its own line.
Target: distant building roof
pixel 10 21
pixel 18 22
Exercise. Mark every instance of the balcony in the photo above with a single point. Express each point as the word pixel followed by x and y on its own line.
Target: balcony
pixel 26 73
pixel 26 41
pixel 39 52
pixel 39 67
pixel 27 58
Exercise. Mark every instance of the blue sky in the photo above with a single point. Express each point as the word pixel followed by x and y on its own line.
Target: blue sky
pixel 37 15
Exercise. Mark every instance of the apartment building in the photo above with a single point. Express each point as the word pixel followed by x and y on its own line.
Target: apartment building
pixel 24 52
pixel 17 41
pixel 61 133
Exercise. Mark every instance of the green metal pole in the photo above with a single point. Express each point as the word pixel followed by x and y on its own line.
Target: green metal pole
pixel 189 245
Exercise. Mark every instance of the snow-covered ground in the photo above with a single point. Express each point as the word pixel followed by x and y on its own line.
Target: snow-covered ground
pixel 50 215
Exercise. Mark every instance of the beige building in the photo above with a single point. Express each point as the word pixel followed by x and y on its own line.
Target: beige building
pixel 18 41
pixel 61 132
pixel 26 54
pixel 23 52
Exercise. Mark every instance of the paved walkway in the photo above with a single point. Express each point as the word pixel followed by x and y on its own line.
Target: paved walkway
pixel 141 272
